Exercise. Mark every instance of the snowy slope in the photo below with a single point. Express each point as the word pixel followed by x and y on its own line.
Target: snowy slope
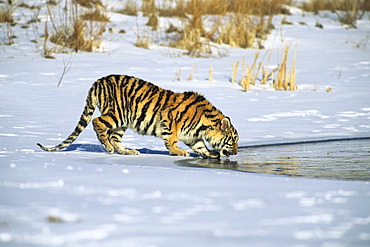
pixel 84 196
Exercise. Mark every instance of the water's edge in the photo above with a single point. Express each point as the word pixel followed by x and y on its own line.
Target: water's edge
pixel 338 159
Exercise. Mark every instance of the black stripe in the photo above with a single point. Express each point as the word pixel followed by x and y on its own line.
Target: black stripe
pixel 83 122
pixel 125 98
pixel 120 107
pixel 197 100
pixel 167 96
pixel 201 128
pixel 166 133
pixel 139 98
pixel 132 85
pixel 212 115
pixel 154 113
pixel 118 78
pixel 186 95
pixel 191 122
pixel 140 83
pixel 114 118
pixel 143 115
pixel 106 123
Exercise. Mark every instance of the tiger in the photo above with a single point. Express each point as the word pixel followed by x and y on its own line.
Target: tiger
pixel 129 102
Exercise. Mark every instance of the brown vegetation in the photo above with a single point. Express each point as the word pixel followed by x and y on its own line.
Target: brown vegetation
pixel 282 77
pixel 6 13
pixel 80 32
pixel 348 11
pixel 130 8
pixel 239 23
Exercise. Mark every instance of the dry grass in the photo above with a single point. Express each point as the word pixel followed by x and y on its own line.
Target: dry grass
pixel 143 39
pixel 234 67
pixel 240 23
pixel 239 31
pixel 191 35
pixel 178 75
pixel 250 73
pixel 248 7
pixel 95 15
pixel 6 13
pixel 172 8
pixel 282 77
pixel 336 5
pixel 192 73
pixel 89 3
pixel 148 7
pixel 192 40
pixel 285 78
pixel 70 30
pixel 348 11
pixel 6 16
pixel 211 73
pixel 153 22
pixel 130 8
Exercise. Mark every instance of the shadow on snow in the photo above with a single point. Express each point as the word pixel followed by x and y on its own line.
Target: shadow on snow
pixel 95 148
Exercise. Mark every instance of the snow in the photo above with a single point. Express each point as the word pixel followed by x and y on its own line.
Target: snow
pixel 84 196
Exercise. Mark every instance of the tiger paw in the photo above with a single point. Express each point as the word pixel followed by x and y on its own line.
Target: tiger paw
pixel 109 148
pixel 179 153
pixel 124 151
pixel 131 152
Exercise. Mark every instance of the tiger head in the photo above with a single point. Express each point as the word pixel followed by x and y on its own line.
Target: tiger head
pixel 224 138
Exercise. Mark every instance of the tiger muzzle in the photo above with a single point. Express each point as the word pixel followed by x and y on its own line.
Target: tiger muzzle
pixel 228 153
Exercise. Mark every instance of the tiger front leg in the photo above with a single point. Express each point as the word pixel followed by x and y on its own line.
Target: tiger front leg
pixel 200 148
pixel 170 141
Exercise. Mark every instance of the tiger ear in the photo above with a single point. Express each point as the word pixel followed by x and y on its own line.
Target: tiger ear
pixel 225 124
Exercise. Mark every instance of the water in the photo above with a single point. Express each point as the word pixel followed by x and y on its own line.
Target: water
pixel 344 160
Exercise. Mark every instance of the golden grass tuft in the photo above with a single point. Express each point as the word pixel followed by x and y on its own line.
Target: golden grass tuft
pixel 6 16
pixel 153 22
pixel 239 31
pixel 240 23
pixel 142 37
pixel 6 13
pixel 234 67
pixel 95 15
pixel 172 8
pixel 283 76
pixel 192 41
pixel 192 73
pixel 335 5
pixel 285 79
pixel 130 8
pixel 348 11
pixel 211 73
pixel 89 3
pixel 248 7
pixel 148 7
pixel 72 31
pixel 178 75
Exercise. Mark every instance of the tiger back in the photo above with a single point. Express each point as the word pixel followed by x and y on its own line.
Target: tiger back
pixel 128 102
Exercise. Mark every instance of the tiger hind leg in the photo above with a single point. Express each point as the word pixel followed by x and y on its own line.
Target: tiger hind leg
pixel 200 148
pixel 115 138
pixel 101 125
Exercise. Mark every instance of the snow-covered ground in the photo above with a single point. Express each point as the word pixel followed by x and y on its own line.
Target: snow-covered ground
pixel 84 196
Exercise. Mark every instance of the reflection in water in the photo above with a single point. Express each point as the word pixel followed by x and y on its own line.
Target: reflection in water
pixel 348 160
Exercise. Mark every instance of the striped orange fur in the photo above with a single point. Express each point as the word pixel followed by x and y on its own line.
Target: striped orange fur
pixel 129 102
